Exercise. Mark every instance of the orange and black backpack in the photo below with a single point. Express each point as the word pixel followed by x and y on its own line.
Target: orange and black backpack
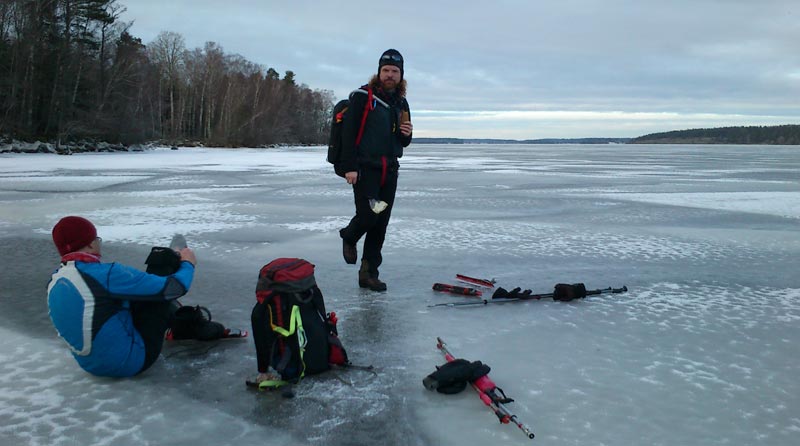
pixel 298 336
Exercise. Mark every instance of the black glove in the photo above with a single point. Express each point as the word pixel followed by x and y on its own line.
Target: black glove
pixel 454 376
pixel 163 261
pixel 566 292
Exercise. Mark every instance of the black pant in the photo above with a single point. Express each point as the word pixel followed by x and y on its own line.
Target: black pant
pixel 151 320
pixel 367 222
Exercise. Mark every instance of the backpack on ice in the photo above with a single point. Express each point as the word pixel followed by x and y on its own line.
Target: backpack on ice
pixel 335 140
pixel 301 336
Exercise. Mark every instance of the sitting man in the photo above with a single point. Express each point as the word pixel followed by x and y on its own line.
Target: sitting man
pixel 113 317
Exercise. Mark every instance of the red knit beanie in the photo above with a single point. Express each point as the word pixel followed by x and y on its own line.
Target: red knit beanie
pixel 73 233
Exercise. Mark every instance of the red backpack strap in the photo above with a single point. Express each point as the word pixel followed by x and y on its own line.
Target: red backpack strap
pixel 367 108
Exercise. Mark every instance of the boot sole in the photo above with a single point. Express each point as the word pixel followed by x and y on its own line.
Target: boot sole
pixel 364 285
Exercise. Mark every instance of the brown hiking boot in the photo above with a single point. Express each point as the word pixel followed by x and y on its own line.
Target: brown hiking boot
pixel 372 283
pixel 349 252
pixel 365 281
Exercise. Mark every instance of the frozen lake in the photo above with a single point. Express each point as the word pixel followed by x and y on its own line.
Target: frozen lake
pixel 703 350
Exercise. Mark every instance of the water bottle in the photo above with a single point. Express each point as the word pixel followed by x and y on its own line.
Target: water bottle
pixel 178 242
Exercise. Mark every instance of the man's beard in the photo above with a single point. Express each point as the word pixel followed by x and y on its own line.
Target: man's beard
pixel 389 84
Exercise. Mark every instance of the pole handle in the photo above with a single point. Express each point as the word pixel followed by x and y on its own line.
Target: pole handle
pixel 607 290
pixel 455 289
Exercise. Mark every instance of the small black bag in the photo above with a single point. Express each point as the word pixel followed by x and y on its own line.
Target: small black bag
pixel 195 323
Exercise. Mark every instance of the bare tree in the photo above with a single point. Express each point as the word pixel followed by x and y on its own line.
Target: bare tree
pixel 166 52
pixel 70 68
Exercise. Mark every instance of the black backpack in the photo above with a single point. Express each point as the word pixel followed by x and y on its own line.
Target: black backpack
pixel 303 335
pixel 335 140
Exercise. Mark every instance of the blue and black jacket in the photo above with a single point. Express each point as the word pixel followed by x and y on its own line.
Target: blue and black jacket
pixel 89 305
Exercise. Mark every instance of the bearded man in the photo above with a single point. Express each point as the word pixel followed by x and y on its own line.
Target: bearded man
pixel 379 119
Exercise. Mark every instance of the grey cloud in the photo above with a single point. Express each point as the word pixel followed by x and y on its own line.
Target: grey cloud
pixel 706 56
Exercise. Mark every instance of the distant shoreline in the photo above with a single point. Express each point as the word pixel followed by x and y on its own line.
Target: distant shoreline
pixel 781 135
pixel 752 135
pixel 524 141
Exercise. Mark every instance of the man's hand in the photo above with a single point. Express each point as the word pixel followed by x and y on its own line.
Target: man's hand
pixel 406 128
pixel 188 255
pixel 351 177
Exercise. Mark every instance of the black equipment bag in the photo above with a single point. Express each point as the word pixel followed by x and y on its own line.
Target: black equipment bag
pixel 194 323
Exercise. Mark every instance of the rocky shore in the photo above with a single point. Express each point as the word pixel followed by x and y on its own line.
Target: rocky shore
pixel 16 146
pixel 9 145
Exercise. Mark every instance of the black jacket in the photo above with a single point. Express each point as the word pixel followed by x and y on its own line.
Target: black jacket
pixel 381 136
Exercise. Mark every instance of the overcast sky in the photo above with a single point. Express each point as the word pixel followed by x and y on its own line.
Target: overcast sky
pixel 523 69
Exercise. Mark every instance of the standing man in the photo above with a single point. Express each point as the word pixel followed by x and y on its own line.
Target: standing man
pixel 112 317
pixel 371 166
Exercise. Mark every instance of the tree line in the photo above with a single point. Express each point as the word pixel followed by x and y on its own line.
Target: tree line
pixel 70 69
pixel 778 134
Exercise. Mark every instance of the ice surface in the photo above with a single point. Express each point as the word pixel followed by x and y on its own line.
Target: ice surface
pixel 703 349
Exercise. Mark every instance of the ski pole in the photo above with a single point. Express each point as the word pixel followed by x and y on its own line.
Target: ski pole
pixel 487 392
pixel 475 281
pixel 610 290
pixel 454 289
pixel 524 296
